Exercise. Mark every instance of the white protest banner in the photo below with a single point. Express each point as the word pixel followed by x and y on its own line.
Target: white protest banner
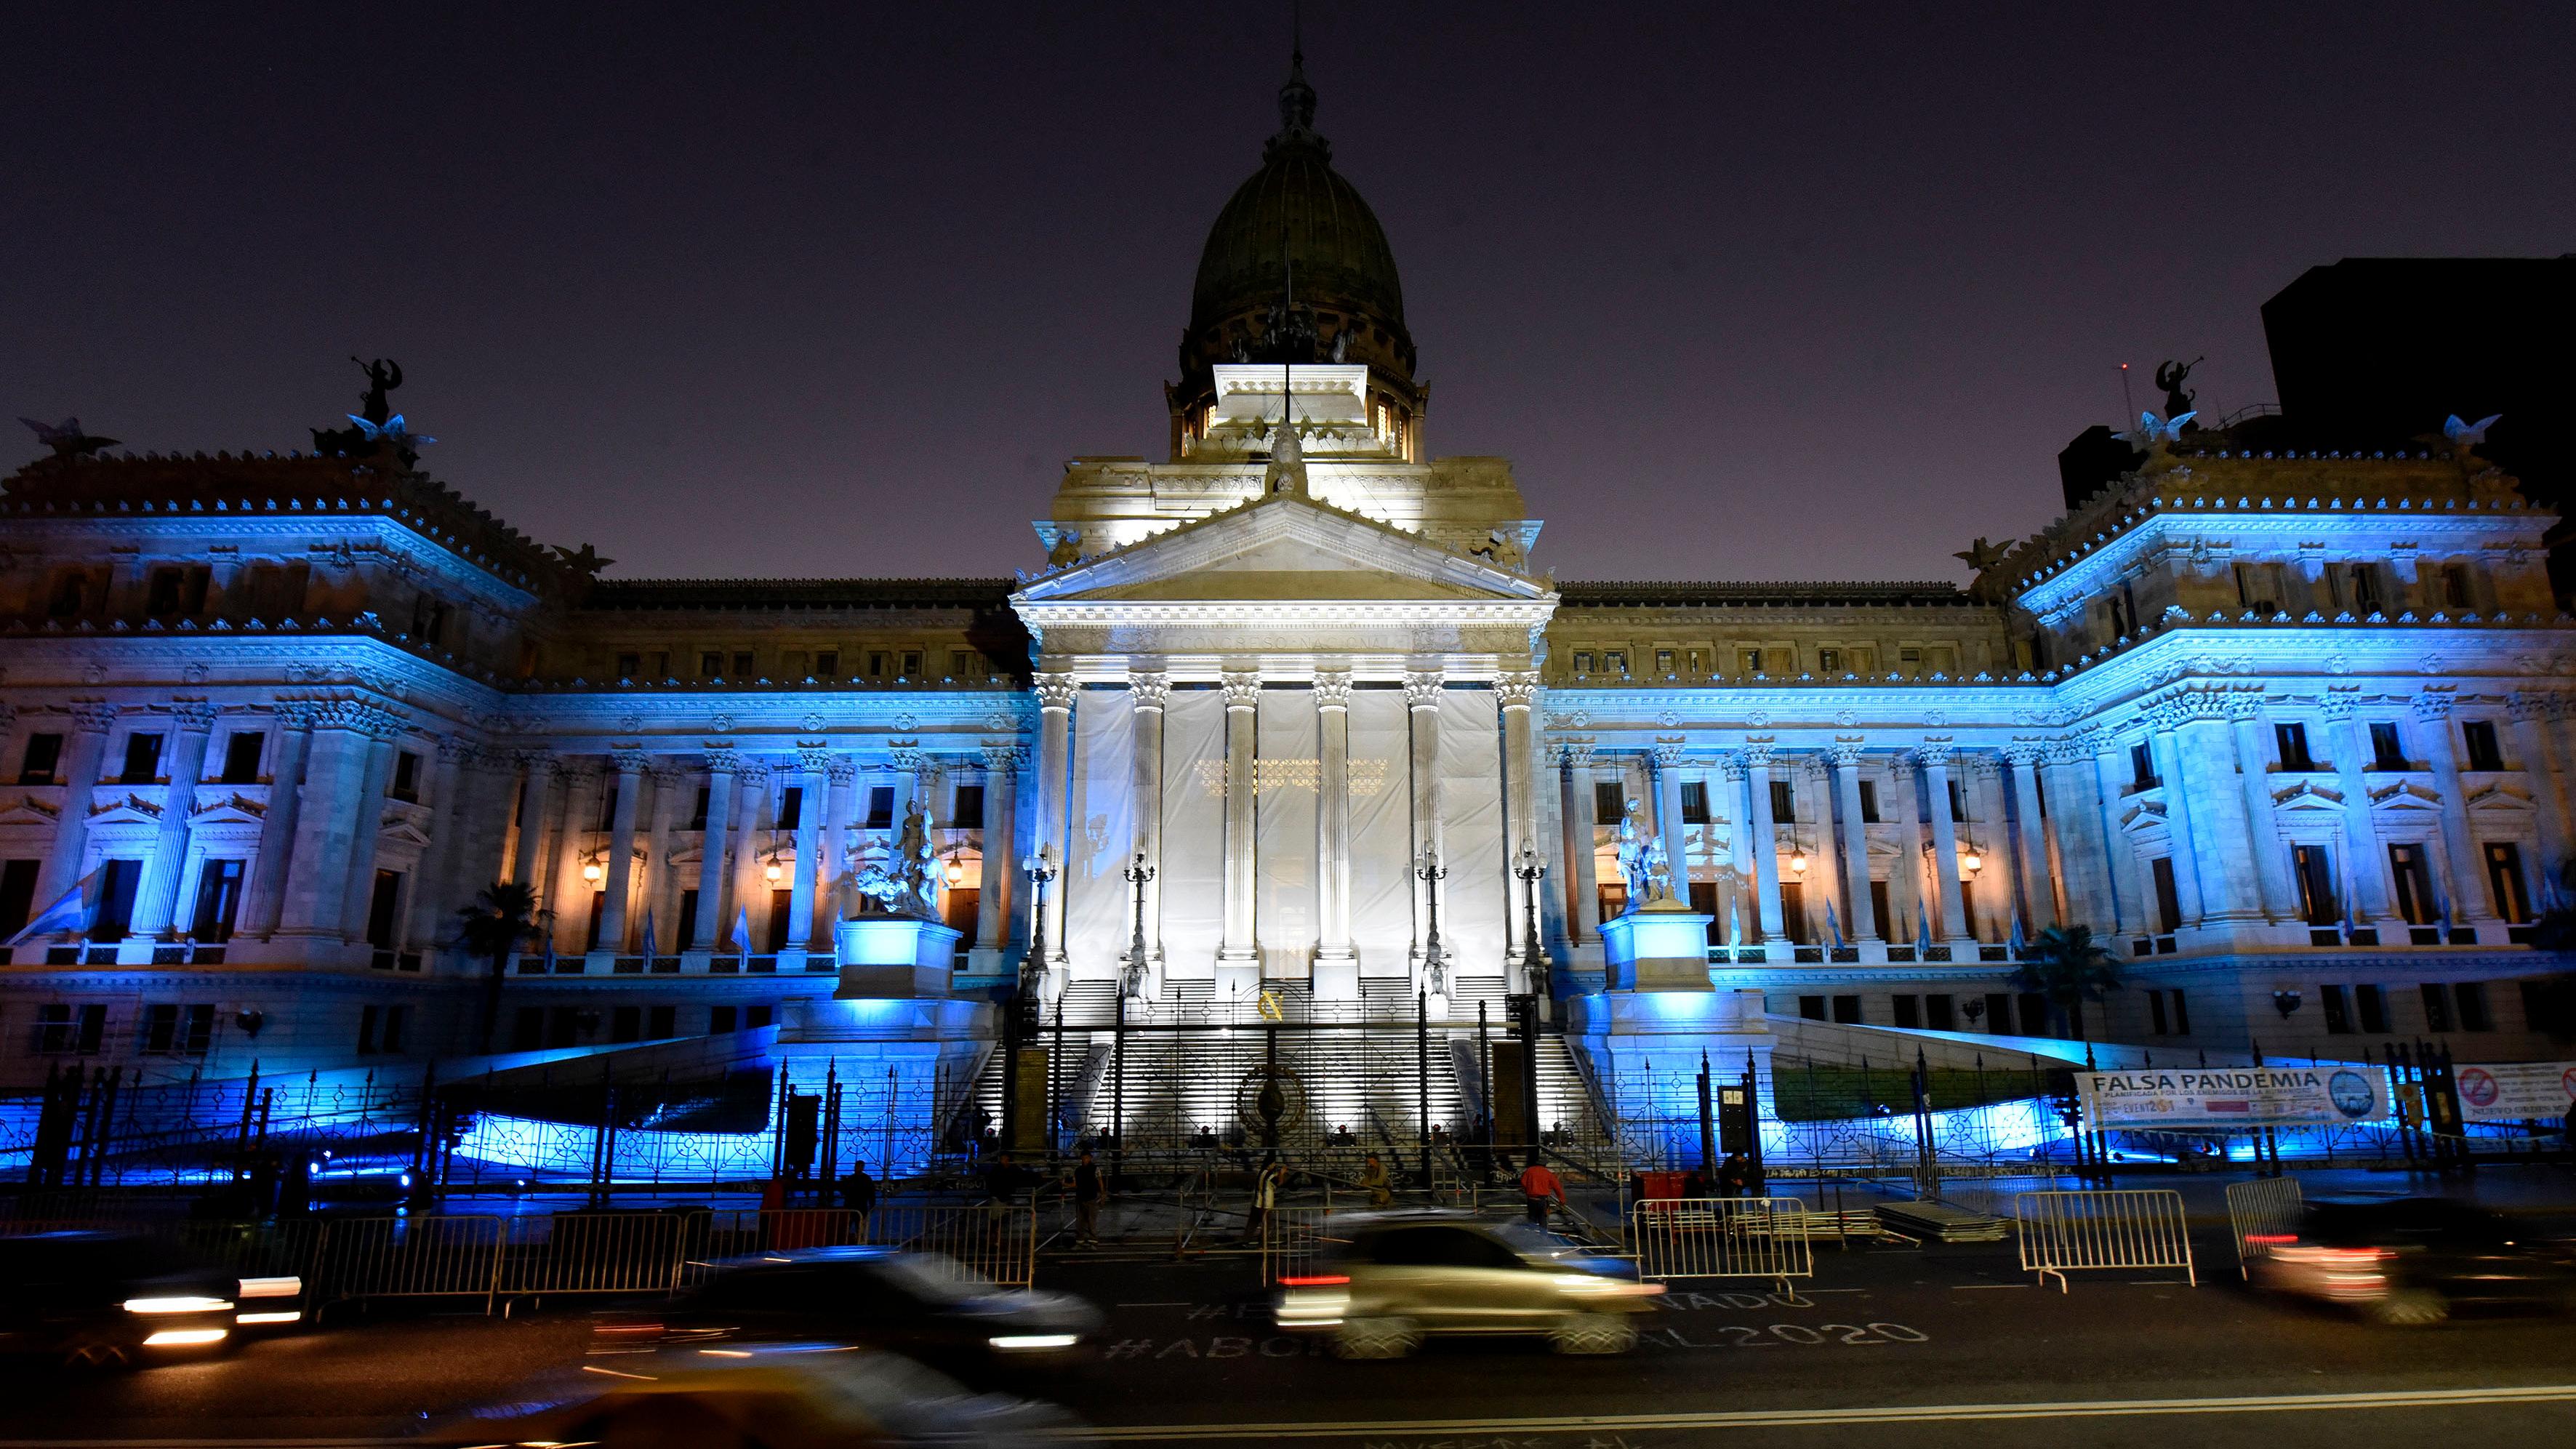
pixel 2223 1097
pixel 2513 1091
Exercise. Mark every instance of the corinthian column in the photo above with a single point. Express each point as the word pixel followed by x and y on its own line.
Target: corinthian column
pixel 1517 691
pixel 327 827
pixel 1864 911
pixel 993 916
pixel 711 853
pixel 267 901
pixel 2279 894
pixel 1663 765
pixel 812 802
pixel 1242 700
pixel 626 777
pixel 2038 901
pixel 1336 965
pixel 1422 691
pixel 155 900
pixel 1766 835
pixel 1146 694
pixel 2460 861
pixel 1574 813
pixel 62 867
pixel 1055 761
pixel 1935 756
pixel 831 888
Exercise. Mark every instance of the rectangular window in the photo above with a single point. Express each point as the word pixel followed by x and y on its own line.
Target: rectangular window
pixel 1793 913
pixel 142 760
pixel 161 1027
pixel 2293 742
pixel 791 806
pixel 1908 1010
pixel 380 909
pixel 2313 867
pixel 2480 737
pixel 366 1031
pixel 1614 661
pixel 63 1028
pixel 1968 903
pixel 528 1029
pixel 17 894
pixel 2142 766
pixel 2168 897
pixel 1999 1017
pixel 880 808
pixel 780 918
pixel 2365 588
pixel 1694 802
pixel 2387 748
pixel 1869 802
pixel 756 1017
pixel 1878 908
pixel 2437 1006
pixel 2156 1012
pixel 967 808
pixel 2504 882
pixel 2337 1008
pixel 1812 1008
pixel 607 805
pixel 1958 804
pixel 44 755
pixel 115 919
pixel 710 664
pixel 1609 801
pixel 1748 661
pixel 687 935
pixel 880 664
pixel 219 892
pixel 2471 997
pixel 661 1022
pixel 2371 1004
pixel 791 664
pixel 2032 1008
pixel 241 756
pixel 720 1020
pixel 912 664
pixel 406 782
pixel 389 1033
pixel 2455 586
pixel 2181 1013
pixel 1938 1015
pixel 200 1033
pixel 1847 1010
pixel 598 912
pixel 1829 661
pixel 1909 660
pixel 827 664
pixel 742 664
pixel 1784 803
pixel 625 1023
pixel 1663 661
pixel 1583 661
pixel 2412 871
pixel 563 1026
pixel 1695 663
pixel 698 812
pixel 629 665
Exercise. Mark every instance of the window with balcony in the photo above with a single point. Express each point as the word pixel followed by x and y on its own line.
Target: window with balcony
pixel 2505 883
pixel 1869 802
pixel 242 750
pixel 1694 802
pixel 2292 740
pixel 2387 747
pixel 219 892
pixel 1829 661
pixel 2410 869
pixel 44 756
pixel 1748 661
pixel 2313 867
pixel 1609 801
pixel 1784 803
pixel 2482 753
pixel 406 781
pixel 2142 766
pixel 142 759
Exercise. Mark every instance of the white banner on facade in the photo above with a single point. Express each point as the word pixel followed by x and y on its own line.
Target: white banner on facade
pixel 2515 1091
pixel 2220 1097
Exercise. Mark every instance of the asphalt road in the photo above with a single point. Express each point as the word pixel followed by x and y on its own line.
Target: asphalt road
pixel 1916 1347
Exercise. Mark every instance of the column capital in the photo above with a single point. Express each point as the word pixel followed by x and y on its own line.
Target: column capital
pixel 2339 704
pixel 663 772
pixel 814 760
pixel 2244 708
pixel 538 763
pixel 193 716
pixel 1845 751
pixel 356 717
pixel 1332 689
pixel 1758 754
pixel 2434 705
pixel 1242 688
pixel 2526 704
pixel 2024 753
pixel 629 762
pixel 1667 751
pixel 2072 749
pixel 748 771
pixel 456 749
pixel 93 717
pixel 1003 756
pixel 841 769
pixel 1574 754
pixel 1055 692
pixel 1422 688
pixel 575 773
pixel 1730 767
pixel 1149 689
pixel 1936 752
pixel 1517 688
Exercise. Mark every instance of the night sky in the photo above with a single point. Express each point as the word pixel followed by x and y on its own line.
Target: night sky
pixel 1744 293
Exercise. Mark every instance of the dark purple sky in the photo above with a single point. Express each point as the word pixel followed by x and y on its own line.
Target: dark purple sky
pixel 1744 293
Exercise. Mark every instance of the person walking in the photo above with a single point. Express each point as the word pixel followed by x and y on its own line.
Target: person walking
pixel 1538 1184
pixel 859 1196
pixel 1375 1182
pixel 1265 1196
pixel 1733 1176
pixel 1089 1192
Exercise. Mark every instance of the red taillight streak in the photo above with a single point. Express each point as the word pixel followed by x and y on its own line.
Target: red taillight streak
pixel 1325 1281
pixel 2272 1238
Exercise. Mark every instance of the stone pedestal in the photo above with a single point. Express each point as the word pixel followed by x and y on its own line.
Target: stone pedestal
pixel 894 956
pixel 1645 1048
pixel 1659 947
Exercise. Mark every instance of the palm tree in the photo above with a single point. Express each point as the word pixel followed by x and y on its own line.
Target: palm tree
pixel 2068 967
pixel 504 916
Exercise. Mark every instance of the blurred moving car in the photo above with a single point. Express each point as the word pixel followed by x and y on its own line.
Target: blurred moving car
pixel 918 1304
pixel 1388 1280
pixel 2409 1260
pixel 776 1396
pixel 102 1300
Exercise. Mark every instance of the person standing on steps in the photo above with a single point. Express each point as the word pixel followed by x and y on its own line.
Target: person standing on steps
pixel 1089 1192
pixel 1538 1184
pixel 1265 1196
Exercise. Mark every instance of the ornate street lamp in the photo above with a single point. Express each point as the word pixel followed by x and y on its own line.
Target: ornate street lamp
pixel 1138 874
pixel 1529 867
pixel 1435 966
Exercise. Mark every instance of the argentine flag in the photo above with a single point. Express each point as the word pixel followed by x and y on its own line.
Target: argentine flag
pixel 74 912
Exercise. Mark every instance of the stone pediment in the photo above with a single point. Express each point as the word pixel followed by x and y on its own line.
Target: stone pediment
pixel 1283 549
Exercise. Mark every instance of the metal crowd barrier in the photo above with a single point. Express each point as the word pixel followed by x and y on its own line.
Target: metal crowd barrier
pixel 2063 1232
pixel 2262 1214
pixel 1721 1237
pixel 1290 1239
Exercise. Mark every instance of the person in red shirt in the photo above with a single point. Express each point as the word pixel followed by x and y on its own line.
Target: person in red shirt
pixel 1538 1184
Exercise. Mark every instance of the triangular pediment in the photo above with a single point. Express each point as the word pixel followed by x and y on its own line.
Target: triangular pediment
pixel 1286 549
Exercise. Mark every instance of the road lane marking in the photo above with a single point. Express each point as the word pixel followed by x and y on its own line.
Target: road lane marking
pixel 1890 1414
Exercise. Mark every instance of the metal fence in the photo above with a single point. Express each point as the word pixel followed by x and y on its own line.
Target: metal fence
pixel 1291 1237
pixel 2262 1214
pixel 583 1253
pixel 1721 1237
pixel 2064 1232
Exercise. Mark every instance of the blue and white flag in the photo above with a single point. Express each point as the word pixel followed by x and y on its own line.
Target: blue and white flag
pixel 1923 931
pixel 1833 927
pixel 550 954
pixel 649 947
pixel 2018 939
pixel 74 912
pixel 742 931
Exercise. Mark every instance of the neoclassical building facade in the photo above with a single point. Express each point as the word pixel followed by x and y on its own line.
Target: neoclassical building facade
pixel 1292 722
